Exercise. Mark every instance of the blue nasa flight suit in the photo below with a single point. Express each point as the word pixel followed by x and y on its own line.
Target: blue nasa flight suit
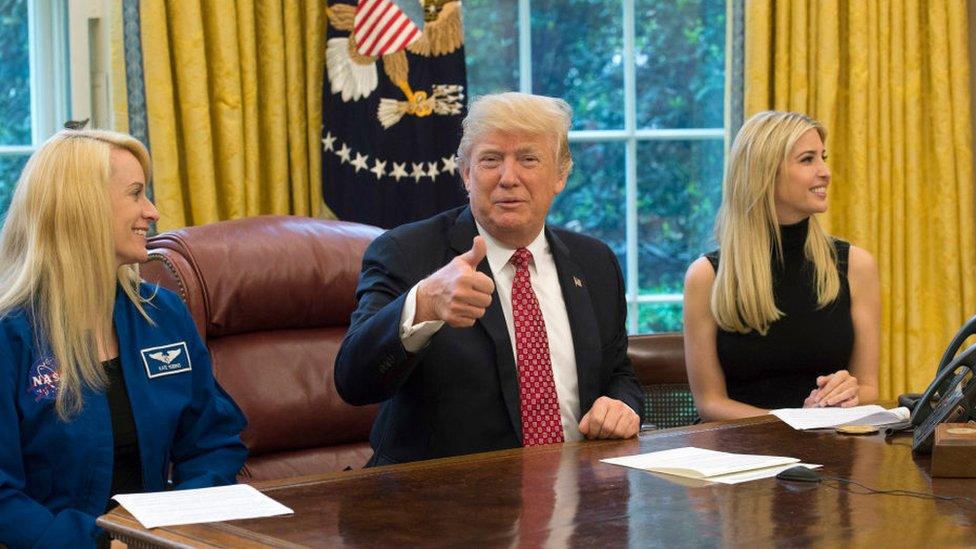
pixel 55 476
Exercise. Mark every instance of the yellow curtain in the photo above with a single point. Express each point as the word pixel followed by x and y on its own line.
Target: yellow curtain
pixel 234 107
pixel 890 80
pixel 117 82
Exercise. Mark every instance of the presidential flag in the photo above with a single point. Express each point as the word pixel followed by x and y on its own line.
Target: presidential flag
pixel 393 103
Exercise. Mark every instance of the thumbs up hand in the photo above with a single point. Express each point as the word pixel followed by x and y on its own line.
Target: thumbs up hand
pixel 477 252
pixel 457 293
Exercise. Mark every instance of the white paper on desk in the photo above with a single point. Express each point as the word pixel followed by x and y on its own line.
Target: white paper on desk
pixel 237 501
pixel 819 418
pixel 699 463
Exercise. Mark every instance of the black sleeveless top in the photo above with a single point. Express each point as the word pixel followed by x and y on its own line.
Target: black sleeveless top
pixel 780 369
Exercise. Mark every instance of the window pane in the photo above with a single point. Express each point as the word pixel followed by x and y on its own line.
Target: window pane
pixel 577 55
pixel 15 117
pixel 680 58
pixel 679 190
pixel 659 317
pixel 491 46
pixel 10 167
pixel 593 201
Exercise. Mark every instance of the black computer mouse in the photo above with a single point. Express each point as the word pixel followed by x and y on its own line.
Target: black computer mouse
pixel 799 474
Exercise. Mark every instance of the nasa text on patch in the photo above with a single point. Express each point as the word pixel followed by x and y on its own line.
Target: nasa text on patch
pixel 43 379
pixel 166 359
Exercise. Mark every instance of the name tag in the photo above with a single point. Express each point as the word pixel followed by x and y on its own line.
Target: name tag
pixel 166 359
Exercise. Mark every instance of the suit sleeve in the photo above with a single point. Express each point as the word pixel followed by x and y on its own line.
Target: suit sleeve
pixel 23 521
pixel 372 363
pixel 207 450
pixel 623 384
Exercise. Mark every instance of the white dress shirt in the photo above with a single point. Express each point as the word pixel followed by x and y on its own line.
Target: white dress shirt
pixel 545 283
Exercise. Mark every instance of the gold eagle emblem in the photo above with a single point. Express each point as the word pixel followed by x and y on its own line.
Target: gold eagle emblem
pixel 351 66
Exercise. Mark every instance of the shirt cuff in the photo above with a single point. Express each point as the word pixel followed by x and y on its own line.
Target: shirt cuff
pixel 415 337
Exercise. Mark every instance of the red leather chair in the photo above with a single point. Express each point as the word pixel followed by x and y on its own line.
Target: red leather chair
pixel 272 297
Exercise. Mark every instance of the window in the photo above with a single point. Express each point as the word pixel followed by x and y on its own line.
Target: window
pixel 33 82
pixel 646 82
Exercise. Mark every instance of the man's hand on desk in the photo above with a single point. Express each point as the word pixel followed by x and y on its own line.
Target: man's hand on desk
pixel 457 293
pixel 609 418
pixel 837 389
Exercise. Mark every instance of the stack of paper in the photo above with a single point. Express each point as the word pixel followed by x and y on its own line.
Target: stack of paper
pixel 710 465
pixel 819 418
pixel 237 501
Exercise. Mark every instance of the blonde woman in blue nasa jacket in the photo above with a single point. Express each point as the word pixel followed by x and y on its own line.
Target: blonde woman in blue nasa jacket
pixel 105 385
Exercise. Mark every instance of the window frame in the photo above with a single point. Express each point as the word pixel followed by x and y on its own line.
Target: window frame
pixel 631 136
pixel 47 37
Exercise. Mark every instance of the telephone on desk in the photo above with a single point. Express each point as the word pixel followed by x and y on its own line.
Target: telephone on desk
pixel 951 397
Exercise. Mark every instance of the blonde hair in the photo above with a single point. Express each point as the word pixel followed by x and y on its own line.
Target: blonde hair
pixel 514 112
pixel 57 254
pixel 747 228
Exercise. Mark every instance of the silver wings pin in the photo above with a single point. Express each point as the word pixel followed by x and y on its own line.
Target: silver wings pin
pixel 166 357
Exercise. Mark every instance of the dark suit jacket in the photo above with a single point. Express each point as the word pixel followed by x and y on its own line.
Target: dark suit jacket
pixel 460 394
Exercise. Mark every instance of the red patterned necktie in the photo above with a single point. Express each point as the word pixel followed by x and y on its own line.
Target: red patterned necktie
pixel 541 422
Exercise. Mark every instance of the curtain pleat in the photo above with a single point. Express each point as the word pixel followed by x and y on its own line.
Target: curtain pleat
pixel 890 80
pixel 232 105
pixel 117 82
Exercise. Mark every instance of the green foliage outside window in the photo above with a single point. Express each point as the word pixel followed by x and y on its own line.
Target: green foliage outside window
pixel 680 72
pixel 15 128
pixel 15 116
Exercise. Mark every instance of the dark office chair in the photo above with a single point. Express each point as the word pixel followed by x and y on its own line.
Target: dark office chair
pixel 659 361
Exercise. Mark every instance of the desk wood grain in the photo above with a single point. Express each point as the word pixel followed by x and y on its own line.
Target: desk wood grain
pixel 562 495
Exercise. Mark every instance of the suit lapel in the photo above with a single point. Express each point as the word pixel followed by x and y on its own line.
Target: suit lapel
pixel 493 322
pixel 582 320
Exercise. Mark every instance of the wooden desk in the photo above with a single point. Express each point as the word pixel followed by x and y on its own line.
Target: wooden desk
pixel 562 495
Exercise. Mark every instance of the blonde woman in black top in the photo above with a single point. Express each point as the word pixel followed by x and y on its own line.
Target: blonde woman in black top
pixel 782 314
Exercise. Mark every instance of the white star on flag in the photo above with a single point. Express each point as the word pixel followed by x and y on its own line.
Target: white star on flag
pixel 343 153
pixel 360 162
pixel 432 170
pixel 449 164
pixel 399 170
pixel 328 142
pixel 379 168
pixel 418 172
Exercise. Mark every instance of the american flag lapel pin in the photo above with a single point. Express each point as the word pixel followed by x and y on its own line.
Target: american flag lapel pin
pixel 578 282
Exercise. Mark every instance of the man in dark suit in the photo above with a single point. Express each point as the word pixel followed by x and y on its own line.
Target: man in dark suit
pixel 481 328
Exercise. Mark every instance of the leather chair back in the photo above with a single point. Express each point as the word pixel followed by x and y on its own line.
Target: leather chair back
pixel 659 362
pixel 271 297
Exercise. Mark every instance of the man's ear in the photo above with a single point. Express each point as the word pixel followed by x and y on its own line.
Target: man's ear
pixel 561 183
pixel 465 172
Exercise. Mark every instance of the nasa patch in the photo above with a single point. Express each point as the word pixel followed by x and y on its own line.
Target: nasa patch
pixel 43 379
pixel 166 359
